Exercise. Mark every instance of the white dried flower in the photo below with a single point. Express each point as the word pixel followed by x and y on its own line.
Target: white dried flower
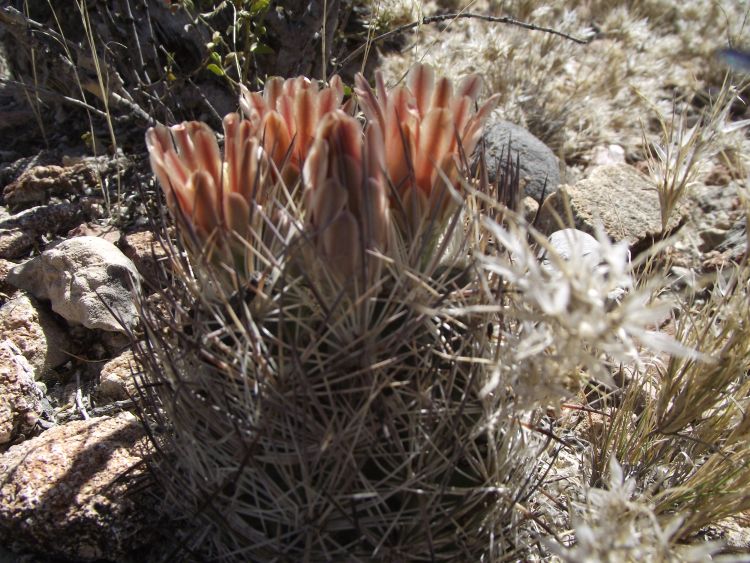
pixel 619 524
pixel 573 316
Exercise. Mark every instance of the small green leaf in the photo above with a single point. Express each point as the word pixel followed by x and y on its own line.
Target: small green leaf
pixel 216 69
pixel 261 48
pixel 259 5
pixel 215 57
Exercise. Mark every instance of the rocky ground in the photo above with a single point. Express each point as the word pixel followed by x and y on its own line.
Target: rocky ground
pixel 76 241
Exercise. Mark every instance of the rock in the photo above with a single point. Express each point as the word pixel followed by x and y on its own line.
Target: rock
pixel 5 267
pixel 147 253
pixel 88 281
pixel 621 198
pixel 732 534
pixel 730 250
pixel 539 166
pixel 12 170
pixel 720 203
pixel 711 238
pixel 33 330
pixel 20 398
pixel 36 184
pixel 116 379
pixel 607 154
pixel 529 209
pixel 34 181
pixel 569 243
pixel 107 232
pixel 736 238
pixel 70 492
pixel 19 233
pixel 718 175
pixel 294 32
pixel 15 243
pixel 114 343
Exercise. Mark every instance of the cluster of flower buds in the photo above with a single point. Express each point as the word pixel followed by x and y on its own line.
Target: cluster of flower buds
pixel 286 116
pixel 428 130
pixel 409 146
pixel 208 191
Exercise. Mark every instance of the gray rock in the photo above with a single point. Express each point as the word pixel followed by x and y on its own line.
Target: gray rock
pixel 20 398
pixel 5 267
pixel 33 330
pixel 712 238
pixel 70 492
pixel 622 199
pixel 529 209
pixel 21 231
pixel 87 280
pixel 727 246
pixel 15 243
pixel 607 154
pixel 539 166
pixel 736 238
pixel 36 184
pixel 296 27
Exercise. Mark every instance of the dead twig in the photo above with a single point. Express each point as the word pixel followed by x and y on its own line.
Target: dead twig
pixel 454 16
pixel 112 408
pixel 79 398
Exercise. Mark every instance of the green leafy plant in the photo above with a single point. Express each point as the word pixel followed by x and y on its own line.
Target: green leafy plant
pixel 231 51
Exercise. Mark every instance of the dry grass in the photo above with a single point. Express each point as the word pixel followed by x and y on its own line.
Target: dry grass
pixel 680 157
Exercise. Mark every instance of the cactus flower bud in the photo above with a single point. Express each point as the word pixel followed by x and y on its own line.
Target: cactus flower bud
pixel 426 126
pixel 345 195
pixel 286 115
pixel 214 195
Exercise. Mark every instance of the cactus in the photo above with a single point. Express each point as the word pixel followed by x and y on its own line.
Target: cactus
pixel 318 388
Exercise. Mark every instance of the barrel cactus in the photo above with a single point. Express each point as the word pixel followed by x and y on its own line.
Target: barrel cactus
pixel 316 376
